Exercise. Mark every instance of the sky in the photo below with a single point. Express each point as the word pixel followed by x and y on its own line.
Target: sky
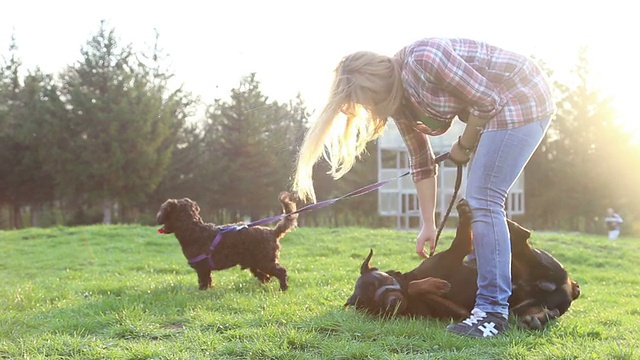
pixel 293 46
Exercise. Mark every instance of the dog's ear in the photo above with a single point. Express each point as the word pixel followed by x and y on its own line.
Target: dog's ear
pixel 549 261
pixel 165 208
pixel 365 265
pixel 575 289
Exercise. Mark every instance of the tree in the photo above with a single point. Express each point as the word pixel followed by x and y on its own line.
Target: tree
pixel 252 144
pixel 583 161
pixel 9 88
pixel 113 146
pixel 27 105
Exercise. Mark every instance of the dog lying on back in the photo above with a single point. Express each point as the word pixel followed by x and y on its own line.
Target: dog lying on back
pixel 208 247
pixel 443 286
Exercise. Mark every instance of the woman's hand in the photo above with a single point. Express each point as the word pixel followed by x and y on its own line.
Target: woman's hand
pixel 458 154
pixel 462 149
pixel 427 235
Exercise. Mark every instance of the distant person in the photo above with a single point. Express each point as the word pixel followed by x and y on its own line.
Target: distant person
pixel 613 221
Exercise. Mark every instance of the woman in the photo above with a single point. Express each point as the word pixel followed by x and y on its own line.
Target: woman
pixel 506 103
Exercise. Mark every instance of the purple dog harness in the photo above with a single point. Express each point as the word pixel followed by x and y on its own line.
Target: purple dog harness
pixel 214 243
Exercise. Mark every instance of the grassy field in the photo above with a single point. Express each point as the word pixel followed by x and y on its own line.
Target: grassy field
pixel 125 292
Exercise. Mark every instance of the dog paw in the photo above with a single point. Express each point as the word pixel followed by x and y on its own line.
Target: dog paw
pixel 530 322
pixel 540 320
pixel 429 286
pixel 441 286
pixel 552 313
pixel 464 211
pixel 205 284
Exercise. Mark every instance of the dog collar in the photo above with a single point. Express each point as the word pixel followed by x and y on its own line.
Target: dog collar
pixel 395 286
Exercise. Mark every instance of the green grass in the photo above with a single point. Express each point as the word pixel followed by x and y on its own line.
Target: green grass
pixel 125 292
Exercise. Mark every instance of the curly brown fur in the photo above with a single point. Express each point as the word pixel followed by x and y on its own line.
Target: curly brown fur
pixel 255 248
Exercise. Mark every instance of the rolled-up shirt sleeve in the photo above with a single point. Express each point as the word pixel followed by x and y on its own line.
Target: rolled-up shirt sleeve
pixel 421 157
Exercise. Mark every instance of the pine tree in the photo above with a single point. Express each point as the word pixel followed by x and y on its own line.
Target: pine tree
pixel 114 143
pixel 253 146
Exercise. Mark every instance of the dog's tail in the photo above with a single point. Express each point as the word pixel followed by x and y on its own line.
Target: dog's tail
pixel 289 222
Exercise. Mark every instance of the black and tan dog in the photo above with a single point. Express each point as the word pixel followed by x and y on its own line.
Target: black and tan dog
pixel 442 286
pixel 206 249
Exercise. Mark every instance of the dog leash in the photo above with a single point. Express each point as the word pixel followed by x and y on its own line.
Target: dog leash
pixel 456 188
pixel 361 191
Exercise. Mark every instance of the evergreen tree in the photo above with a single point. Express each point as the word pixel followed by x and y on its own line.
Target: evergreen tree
pixel 187 173
pixel 581 168
pixel 9 88
pixel 26 105
pixel 114 144
pixel 252 144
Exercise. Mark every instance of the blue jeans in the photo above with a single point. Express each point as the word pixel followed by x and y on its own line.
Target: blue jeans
pixel 499 159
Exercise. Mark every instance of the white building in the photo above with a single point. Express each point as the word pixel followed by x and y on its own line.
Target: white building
pixel 398 198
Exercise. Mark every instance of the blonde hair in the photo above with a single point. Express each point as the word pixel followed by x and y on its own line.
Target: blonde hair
pixel 366 90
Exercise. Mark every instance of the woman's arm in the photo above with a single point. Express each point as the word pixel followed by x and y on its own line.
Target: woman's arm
pixel 426 190
pixel 423 170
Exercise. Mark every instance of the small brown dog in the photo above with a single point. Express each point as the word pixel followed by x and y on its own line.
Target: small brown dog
pixel 208 247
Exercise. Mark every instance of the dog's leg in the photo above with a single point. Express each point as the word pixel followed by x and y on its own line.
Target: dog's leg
pixel 204 279
pixel 280 273
pixel 429 285
pixel 204 274
pixel 430 289
pixel 462 243
pixel 261 276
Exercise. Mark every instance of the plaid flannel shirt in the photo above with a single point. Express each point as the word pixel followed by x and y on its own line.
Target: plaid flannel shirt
pixel 455 77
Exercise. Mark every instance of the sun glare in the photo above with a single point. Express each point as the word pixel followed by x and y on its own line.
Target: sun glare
pixel 624 103
pixel 618 84
pixel 624 107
